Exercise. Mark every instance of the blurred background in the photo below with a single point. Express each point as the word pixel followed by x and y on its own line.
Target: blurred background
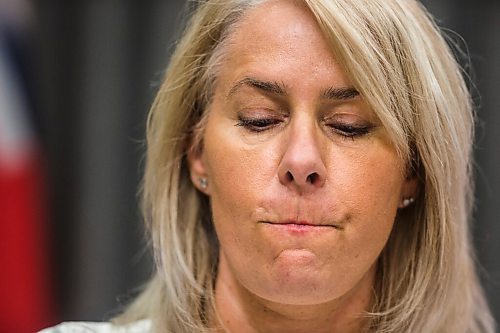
pixel 76 81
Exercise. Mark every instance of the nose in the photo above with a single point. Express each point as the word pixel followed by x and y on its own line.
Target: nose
pixel 302 167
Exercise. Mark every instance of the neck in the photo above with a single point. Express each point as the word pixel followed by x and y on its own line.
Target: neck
pixel 239 310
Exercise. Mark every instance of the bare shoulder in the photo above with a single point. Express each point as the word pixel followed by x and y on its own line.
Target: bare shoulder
pixel 143 326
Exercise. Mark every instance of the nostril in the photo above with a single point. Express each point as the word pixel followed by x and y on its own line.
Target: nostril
pixel 312 178
pixel 289 176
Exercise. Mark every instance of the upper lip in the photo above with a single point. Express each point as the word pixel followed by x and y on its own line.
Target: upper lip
pixel 284 222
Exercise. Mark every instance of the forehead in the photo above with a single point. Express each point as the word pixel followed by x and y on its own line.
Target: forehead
pixel 284 19
pixel 281 40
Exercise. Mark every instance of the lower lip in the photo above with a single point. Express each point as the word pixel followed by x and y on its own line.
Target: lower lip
pixel 299 228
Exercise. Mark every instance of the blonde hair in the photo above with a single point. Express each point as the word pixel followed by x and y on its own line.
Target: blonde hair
pixel 397 58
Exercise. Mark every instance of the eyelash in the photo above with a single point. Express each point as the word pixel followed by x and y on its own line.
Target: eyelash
pixel 258 125
pixel 350 131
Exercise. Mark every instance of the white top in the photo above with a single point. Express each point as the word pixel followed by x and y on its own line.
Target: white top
pixel 143 326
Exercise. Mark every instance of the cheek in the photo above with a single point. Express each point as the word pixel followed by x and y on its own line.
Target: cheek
pixel 370 187
pixel 238 176
pixel 235 173
pixel 370 178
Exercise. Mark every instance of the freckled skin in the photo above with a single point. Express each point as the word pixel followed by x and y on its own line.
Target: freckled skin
pixel 281 280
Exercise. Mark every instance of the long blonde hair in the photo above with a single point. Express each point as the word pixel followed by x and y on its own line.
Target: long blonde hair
pixel 397 58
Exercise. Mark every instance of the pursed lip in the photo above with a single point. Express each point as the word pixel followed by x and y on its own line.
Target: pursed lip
pixel 299 224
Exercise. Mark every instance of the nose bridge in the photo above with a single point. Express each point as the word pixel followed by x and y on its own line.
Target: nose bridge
pixel 302 145
pixel 302 162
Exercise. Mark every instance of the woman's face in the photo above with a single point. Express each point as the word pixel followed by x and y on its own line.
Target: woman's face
pixel 303 181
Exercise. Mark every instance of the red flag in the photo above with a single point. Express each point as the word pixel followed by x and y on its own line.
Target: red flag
pixel 26 303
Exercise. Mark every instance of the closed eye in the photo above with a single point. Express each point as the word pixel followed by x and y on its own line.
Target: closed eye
pixel 350 131
pixel 257 124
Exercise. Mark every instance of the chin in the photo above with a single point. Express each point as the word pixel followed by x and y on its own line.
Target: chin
pixel 298 283
pixel 300 294
pixel 295 278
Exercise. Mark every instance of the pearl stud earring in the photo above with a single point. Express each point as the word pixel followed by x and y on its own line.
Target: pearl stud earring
pixel 203 183
pixel 408 201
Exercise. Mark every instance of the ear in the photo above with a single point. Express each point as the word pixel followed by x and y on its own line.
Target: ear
pixel 198 169
pixel 409 191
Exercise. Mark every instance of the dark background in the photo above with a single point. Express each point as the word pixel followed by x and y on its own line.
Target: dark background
pixel 96 67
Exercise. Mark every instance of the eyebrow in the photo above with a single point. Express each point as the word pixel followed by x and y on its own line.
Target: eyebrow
pixel 272 87
pixel 342 93
pixel 276 88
